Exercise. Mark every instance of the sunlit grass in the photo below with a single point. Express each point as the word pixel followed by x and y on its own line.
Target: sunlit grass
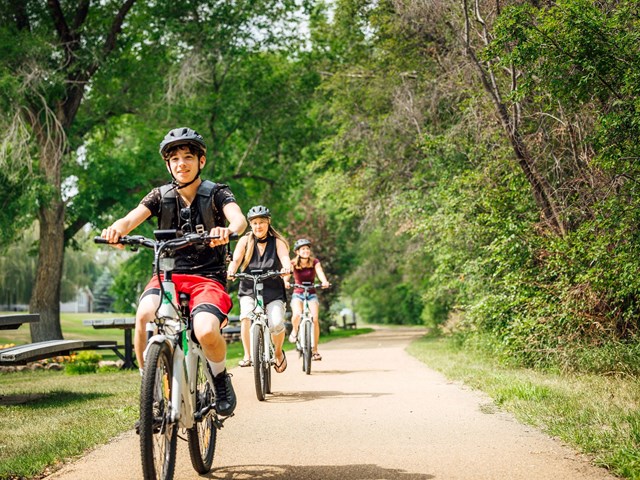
pixel 48 416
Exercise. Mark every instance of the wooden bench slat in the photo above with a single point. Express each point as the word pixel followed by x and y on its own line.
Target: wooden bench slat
pixel 31 352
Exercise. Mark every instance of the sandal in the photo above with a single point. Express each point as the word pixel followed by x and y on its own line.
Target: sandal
pixel 316 357
pixel 282 366
pixel 245 362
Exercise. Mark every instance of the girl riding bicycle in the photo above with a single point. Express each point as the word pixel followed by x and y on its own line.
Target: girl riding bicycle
pixel 305 268
pixel 263 248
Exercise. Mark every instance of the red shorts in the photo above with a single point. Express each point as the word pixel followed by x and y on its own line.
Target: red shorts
pixel 205 294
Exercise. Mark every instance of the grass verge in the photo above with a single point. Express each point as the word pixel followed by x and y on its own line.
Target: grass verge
pixel 47 417
pixel 597 415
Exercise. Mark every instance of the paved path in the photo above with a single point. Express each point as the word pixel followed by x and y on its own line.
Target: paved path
pixel 368 411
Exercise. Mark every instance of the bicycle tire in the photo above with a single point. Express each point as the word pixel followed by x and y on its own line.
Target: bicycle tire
pixel 158 437
pixel 258 362
pixel 306 348
pixel 267 371
pixel 203 435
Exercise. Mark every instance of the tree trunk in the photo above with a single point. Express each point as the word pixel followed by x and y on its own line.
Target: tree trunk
pixel 45 298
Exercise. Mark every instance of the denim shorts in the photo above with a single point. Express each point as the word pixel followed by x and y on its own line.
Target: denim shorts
pixel 300 296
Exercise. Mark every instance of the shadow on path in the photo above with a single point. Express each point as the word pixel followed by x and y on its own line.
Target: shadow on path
pixel 292 397
pixel 345 372
pixel 315 472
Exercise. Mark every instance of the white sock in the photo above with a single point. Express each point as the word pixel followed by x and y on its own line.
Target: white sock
pixel 217 367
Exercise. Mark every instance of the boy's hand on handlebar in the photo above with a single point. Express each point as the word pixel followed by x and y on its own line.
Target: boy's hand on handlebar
pixel 222 234
pixel 326 284
pixel 287 285
pixel 231 275
pixel 112 235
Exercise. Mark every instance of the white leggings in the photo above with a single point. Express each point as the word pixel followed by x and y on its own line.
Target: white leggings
pixel 275 312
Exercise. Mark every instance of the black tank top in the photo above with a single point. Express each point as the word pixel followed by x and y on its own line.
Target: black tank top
pixel 269 261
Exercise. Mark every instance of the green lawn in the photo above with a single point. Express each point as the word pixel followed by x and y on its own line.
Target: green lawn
pixel 72 329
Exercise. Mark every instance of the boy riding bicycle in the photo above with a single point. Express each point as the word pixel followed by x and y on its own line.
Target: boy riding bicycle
pixel 192 205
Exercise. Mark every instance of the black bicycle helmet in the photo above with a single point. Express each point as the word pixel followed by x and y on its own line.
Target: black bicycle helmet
pixel 182 136
pixel 258 211
pixel 301 243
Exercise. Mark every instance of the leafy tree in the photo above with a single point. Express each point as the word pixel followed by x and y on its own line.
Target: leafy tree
pixel 103 300
pixel 50 55
pixel 90 77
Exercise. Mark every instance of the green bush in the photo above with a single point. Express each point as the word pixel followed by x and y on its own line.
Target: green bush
pixel 83 362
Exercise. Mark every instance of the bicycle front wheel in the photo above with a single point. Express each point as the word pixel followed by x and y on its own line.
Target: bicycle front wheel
pixel 202 436
pixel 158 435
pixel 307 331
pixel 258 362
pixel 267 369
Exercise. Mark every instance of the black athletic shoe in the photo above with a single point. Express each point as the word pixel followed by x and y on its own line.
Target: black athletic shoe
pixel 225 396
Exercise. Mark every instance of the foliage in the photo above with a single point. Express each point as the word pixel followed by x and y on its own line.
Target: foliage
pixel 412 157
pixel 19 268
pixel 103 300
pixel 83 362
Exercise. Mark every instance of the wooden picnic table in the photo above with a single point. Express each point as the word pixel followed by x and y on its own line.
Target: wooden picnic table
pixel 127 324
pixel 12 322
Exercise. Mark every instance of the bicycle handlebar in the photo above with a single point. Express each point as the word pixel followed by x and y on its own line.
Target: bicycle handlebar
pixel 257 278
pixel 307 287
pixel 174 243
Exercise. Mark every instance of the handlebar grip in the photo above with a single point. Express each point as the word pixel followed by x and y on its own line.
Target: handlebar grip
pixel 98 239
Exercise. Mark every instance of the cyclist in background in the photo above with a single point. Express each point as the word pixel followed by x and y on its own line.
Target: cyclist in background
pixel 192 205
pixel 263 248
pixel 305 268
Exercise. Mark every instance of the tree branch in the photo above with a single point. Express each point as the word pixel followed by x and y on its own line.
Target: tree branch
pixel 59 21
pixel 81 14
pixel 116 27
pixel 20 12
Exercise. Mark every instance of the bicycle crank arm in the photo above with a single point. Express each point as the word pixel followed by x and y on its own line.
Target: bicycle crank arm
pixel 198 416
pixel 218 421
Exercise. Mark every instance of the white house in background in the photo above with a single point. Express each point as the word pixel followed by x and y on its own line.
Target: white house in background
pixel 83 302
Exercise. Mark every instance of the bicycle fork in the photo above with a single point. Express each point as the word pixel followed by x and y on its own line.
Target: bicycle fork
pixel 266 339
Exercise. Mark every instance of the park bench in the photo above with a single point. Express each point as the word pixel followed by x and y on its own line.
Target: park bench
pixel 32 352
pixel 348 318
pixel 231 332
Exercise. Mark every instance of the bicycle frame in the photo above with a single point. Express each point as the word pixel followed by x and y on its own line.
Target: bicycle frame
pixel 173 326
pixel 306 341
pixel 183 381
pixel 259 319
pixel 306 319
